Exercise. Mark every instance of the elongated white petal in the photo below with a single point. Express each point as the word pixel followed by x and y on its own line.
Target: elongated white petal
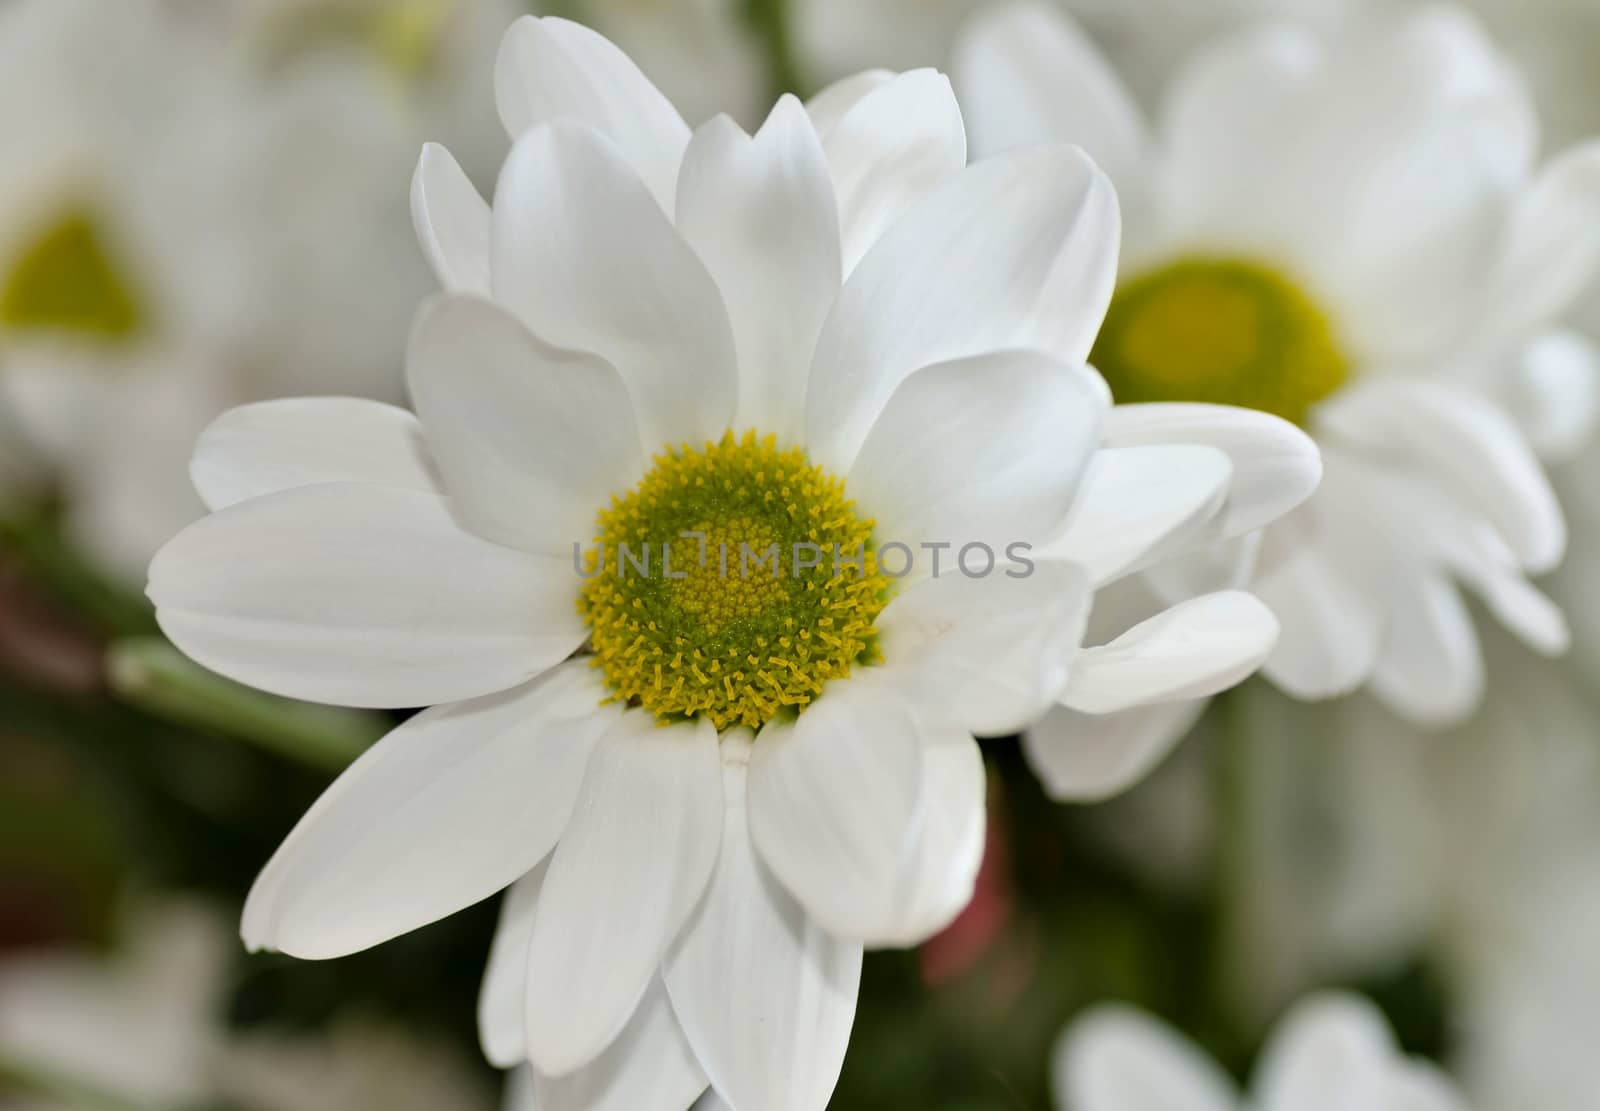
pixel 1016 252
pixel 1430 669
pixel 985 450
pixel 1139 505
pixel 650 1067
pixel 897 142
pixel 1028 74
pixel 532 441
pixel 1333 1052
pixel 1330 627
pixel 742 204
pixel 1552 248
pixel 1092 757
pixel 452 222
pixel 1553 393
pixel 766 996
pixel 552 69
pixel 1193 650
pixel 937 881
pixel 835 802
pixel 502 1001
pixel 590 262
pixel 446 810
pixel 361 595
pixel 990 653
pixel 1416 1086
pixel 643 837
pixel 1468 447
pixel 831 105
pixel 1276 466
pixel 1235 100
pixel 279 445
pixel 1117 1059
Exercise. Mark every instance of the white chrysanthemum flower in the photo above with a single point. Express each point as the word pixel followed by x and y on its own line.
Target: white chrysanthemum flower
pixel 832 335
pixel 1332 1053
pixel 1348 232
pixel 183 196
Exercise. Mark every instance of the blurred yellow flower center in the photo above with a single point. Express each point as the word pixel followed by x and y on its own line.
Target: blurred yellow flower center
pixel 732 582
pixel 66 279
pixel 1225 331
pixel 403 34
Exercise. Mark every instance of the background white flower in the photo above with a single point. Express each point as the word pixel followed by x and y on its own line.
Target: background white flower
pixel 202 212
pixel 1332 1052
pixel 1347 230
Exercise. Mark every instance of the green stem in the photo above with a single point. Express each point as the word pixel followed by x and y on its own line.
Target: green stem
pixel 149 673
pixel 18 1077
pixel 35 537
pixel 769 19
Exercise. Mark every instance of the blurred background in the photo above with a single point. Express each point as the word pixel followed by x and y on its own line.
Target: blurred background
pixel 205 202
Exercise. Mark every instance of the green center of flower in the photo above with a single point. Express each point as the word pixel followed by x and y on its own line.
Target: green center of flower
pixel 66 279
pixel 733 581
pixel 1226 331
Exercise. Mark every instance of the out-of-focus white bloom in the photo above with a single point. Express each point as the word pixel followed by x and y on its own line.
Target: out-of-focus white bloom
pixel 140 1024
pixel 1347 231
pixel 145 1026
pixel 197 209
pixel 1332 1053
pixel 655 334
pixel 1145 38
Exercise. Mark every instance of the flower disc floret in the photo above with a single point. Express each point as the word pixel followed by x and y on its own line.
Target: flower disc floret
pixel 733 581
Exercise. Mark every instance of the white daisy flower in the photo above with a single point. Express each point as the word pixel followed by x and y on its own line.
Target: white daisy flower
pixel 183 194
pixel 1347 232
pixel 1331 1053
pixel 831 335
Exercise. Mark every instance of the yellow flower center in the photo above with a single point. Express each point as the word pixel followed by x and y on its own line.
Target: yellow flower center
pixel 733 582
pixel 404 35
pixel 67 280
pixel 1226 331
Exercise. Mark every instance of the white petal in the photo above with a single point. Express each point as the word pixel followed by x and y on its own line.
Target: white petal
pixel 650 1067
pixel 452 222
pixel 1421 1087
pixel 591 263
pixel 1553 393
pixel 1092 757
pixel 362 595
pixel 1233 100
pixel 1430 669
pixel 937 882
pixel 835 802
pixel 1330 627
pixel 1193 650
pixel 1552 247
pixel 831 105
pixel 532 441
pixel 1016 252
pixel 502 1001
pixel 1276 466
pixel 767 998
pixel 762 216
pixel 1118 1059
pixel 446 810
pixel 1469 447
pixel 279 445
pixel 982 450
pixel 1139 505
pixel 631 866
pixel 1029 74
pixel 1225 565
pixel 552 69
pixel 990 653
pixel 1332 1053
pixel 896 143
